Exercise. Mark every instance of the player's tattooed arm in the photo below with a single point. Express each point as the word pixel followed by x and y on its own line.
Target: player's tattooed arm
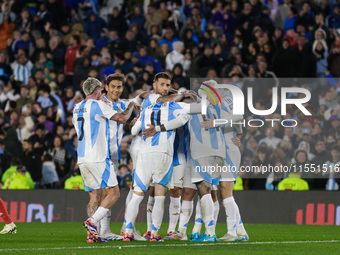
pixel 144 95
pixel 178 97
pixel 174 97
pixel 125 115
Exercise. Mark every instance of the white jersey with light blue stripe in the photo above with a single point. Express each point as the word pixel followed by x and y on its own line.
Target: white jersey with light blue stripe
pixel 233 153
pixel 91 121
pixel 206 143
pixel 181 145
pixel 227 113
pixel 117 129
pixel 135 144
pixel 156 115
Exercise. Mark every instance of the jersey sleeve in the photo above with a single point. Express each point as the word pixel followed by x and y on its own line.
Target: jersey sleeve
pixel 106 111
pixel 180 112
pixel 137 127
pixel 153 98
pixel 137 100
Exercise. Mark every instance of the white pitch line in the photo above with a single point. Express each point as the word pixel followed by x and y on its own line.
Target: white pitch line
pixel 168 245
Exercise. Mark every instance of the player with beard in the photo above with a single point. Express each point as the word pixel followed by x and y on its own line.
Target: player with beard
pixel 90 119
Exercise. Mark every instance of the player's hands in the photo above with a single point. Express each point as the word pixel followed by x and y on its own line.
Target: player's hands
pixel 133 122
pixel 236 141
pixel 191 94
pixel 149 132
pixel 209 123
pixel 138 107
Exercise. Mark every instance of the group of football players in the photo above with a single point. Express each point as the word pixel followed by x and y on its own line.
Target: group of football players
pixel 177 145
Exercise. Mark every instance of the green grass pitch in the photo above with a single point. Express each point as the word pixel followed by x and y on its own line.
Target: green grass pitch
pixel 69 238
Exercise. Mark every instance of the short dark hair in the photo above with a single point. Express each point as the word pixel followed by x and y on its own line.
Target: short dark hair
pixel 28 141
pixel 123 165
pixel 41 126
pixel 115 76
pixel 47 157
pixel 45 88
pixel 77 38
pixel 161 75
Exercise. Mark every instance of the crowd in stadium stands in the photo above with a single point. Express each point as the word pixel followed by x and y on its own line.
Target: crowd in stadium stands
pixel 48 48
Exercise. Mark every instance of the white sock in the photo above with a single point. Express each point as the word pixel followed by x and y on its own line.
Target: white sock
pixel 230 211
pixel 240 230
pixel 198 218
pixel 127 201
pixel 184 217
pixel 207 206
pixel 132 212
pixel 98 215
pixel 149 208
pixel 174 211
pixel 216 211
pixel 157 214
pixel 105 224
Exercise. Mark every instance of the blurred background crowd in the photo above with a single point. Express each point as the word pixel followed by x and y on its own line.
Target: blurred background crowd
pixel 48 48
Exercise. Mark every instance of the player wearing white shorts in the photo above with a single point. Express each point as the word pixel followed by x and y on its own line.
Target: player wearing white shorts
pixel 179 162
pixel 161 89
pixel 154 163
pixel 90 119
pixel 114 88
pixel 207 149
pixel 228 177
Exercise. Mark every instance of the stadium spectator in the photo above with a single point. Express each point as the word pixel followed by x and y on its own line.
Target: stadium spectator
pixel 25 125
pixel 19 180
pixel 124 177
pixel 71 54
pixel 176 57
pixel 94 25
pixel 58 153
pixel 74 182
pixel 49 178
pixel 152 17
pixel 117 22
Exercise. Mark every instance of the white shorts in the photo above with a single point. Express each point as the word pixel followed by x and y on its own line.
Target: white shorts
pixel 231 165
pixel 98 175
pixel 153 167
pixel 187 176
pixel 178 175
pixel 134 149
pixel 206 169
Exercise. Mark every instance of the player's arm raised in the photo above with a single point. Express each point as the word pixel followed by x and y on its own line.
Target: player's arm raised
pixel 124 116
pixel 178 97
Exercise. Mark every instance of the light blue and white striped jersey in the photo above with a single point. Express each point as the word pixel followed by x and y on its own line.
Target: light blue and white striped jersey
pixel 135 143
pixel 181 145
pixel 22 72
pixel 331 183
pixel 227 113
pixel 206 143
pixel 91 121
pixel 233 153
pixel 156 115
pixel 117 129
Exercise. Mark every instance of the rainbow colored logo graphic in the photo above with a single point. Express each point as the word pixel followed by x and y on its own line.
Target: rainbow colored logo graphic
pixel 210 94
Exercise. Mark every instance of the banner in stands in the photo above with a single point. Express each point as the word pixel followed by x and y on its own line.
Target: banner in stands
pixel 287 207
